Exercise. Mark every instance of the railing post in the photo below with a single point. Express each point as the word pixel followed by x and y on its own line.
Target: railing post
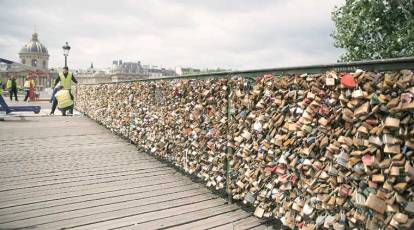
pixel 131 121
pixel 229 149
pixel 75 97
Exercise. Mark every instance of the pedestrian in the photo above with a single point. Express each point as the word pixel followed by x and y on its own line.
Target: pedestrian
pixel 12 86
pixel 29 84
pixel 64 100
pixel 8 84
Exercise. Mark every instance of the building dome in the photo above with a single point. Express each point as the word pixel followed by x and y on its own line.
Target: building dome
pixel 34 54
pixel 34 46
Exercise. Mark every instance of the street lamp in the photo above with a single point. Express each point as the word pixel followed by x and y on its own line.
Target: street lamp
pixel 66 49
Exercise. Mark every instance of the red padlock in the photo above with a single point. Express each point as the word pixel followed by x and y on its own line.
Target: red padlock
pixel 348 81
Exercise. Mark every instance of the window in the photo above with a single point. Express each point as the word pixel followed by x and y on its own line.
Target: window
pixel 44 64
pixel 24 61
pixel 34 62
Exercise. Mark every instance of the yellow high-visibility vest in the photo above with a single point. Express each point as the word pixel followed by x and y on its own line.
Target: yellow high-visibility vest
pixel 63 99
pixel 8 84
pixel 1 87
pixel 66 81
pixel 26 84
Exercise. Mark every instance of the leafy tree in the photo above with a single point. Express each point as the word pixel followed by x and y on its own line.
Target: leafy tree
pixel 374 29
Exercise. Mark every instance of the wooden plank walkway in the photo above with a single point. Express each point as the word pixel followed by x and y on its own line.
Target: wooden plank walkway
pixel 70 173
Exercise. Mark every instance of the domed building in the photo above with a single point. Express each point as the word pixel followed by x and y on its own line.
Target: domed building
pixel 34 62
pixel 34 54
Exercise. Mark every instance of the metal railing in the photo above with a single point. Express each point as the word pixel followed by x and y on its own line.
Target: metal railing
pixel 372 65
pixel 377 66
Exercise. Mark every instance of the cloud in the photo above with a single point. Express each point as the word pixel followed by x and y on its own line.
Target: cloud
pixel 232 34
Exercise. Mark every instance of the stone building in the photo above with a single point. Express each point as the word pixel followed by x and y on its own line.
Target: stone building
pixel 34 54
pixel 92 76
pixel 34 62
pixel 123 71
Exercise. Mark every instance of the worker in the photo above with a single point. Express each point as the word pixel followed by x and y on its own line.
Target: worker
pixel 66 78
pixel 64 100
pixel 29 84
pixel 12 87
pixel 8 85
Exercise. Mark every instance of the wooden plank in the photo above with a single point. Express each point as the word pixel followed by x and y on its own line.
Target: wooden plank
pixel 92 187
pixel 247 223
pixel 63 198
pixel 62 221
pixel 87 154
pixel 70 181
pixel 90 151
pixel 262 227
pixel 109 203
pixel 156 212
pixel 95 133
pixel 80 175
pixel 53 174
pixel 147 174
pixel 184 218
pixel 60 167
pixel 81 167
pixel 78 196
pixel 52 154
pixel 214 221
pixel 58 148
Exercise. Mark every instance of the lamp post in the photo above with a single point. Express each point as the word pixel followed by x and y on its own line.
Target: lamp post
pixel 66 49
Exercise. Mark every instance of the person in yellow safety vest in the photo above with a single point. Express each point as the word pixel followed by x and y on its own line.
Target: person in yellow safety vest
pixel 28 83
pixel 8 84
pixel 64 101
pixel 12 87
pixel 66 78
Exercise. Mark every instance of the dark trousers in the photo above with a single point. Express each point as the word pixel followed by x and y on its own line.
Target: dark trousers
pixel 13 92
pixel 54 104
pixel 70 109
pixel 27 95
pixel 53 95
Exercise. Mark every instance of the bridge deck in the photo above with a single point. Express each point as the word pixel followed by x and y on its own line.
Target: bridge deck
pixel 70 173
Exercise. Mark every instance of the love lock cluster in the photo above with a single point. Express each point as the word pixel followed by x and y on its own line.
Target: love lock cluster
pixel 322 151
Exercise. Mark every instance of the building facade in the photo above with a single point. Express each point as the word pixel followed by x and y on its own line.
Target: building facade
pixel 34 54
pixel 123 71
pixel 34 62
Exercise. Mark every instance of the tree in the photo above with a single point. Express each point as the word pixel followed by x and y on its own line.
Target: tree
pixel 374 29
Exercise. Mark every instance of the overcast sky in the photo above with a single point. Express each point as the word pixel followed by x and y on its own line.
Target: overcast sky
pixel 233 34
